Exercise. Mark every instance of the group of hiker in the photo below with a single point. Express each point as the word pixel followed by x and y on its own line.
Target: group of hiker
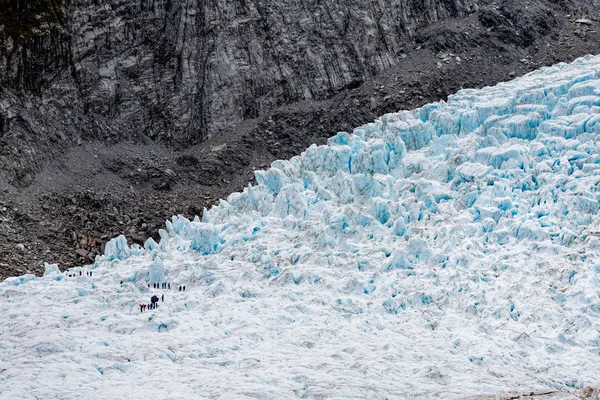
pixel 154 299
pixel 152 305
pixel 161 285
pixel 165 285
pixel 73 274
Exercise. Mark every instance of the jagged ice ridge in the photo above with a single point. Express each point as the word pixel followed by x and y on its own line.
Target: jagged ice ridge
pixel 442 252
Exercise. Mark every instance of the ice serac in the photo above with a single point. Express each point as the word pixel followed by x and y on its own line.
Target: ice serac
pixel 204 237
pixel 51 270
pixel 446 251
pixel 117 249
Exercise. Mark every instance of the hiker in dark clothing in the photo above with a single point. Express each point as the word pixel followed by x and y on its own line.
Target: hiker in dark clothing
pixel 163 298
pixel 90 273
pixel 184 288
pixel 154 300
pixel 180 288
pixel 169 285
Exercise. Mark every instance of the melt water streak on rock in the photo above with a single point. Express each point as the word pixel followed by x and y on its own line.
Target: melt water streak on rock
pixel 442 252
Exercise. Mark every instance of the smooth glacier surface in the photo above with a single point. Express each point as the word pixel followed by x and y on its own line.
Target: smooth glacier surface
pixel 443 252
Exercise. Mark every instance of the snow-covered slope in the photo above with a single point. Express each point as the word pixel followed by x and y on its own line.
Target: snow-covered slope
pixel 443 252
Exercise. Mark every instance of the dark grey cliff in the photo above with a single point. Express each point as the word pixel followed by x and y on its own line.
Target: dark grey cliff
pixel 180 71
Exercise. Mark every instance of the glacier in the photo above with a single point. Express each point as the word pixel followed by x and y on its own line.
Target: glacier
pixel 443 252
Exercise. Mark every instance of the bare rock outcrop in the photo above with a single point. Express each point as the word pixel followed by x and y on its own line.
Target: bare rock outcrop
pixel 180 71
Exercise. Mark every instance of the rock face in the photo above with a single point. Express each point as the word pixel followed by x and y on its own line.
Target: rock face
pixel 181 71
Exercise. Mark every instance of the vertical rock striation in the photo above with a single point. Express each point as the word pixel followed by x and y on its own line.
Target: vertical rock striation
pixel 180 71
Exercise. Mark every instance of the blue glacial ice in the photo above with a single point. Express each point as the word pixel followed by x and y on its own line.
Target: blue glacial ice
pixel 446 251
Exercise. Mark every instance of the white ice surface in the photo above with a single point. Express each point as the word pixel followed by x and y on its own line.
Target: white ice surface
pixel 443 252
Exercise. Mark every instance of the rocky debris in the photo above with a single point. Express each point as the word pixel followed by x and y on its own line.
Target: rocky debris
pixel 82 252
pixel 540 395
pixel 587 392
pixel 98 153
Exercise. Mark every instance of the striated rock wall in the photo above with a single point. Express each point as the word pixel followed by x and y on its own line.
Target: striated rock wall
pixel 180 71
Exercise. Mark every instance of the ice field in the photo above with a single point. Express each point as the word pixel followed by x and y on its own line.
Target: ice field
pixel 443 252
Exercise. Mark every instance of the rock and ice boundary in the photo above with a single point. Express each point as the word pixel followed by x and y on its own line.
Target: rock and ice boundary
pixel 443 252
